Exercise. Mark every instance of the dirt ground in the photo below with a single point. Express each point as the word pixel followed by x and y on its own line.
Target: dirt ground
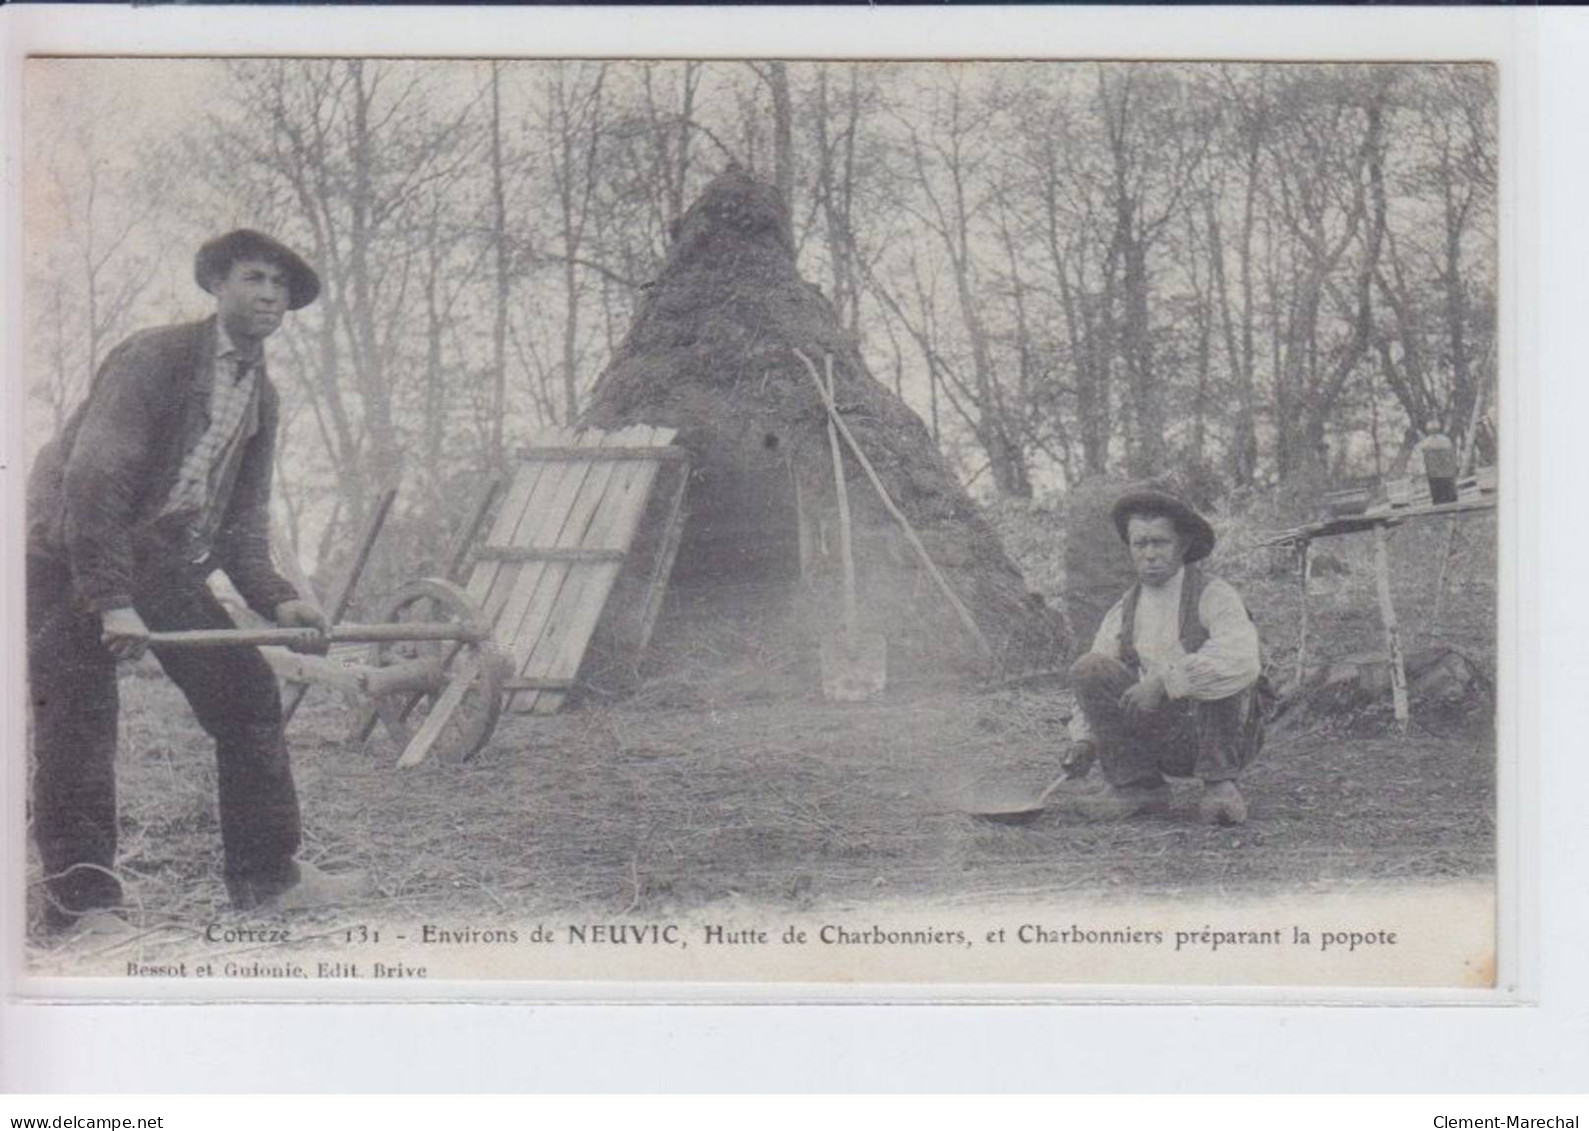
pixel 750 791
pixel 788 805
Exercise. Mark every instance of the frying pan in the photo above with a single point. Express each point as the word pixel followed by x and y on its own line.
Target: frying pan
pixel 1018 811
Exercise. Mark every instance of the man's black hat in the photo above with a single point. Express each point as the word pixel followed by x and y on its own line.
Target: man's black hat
pixel 216 257
pixel 1193 527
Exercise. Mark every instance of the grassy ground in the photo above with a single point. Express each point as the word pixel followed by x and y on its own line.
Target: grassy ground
pixel 790 805
pixel 662 804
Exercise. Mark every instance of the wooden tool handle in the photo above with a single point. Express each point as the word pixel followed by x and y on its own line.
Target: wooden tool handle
pixel 898 516
pixel 341 634
pixel 846 546
pixel 232 637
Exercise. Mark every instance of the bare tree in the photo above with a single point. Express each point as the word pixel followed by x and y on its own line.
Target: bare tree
pixel 573 120
pixel 1153 148
pixel 99 224
pixel 1245 101
pixel 1440 256
pixel 350 149
pixel 1070 230
pixel 775 74
pixel 1329 150
pixel 1069 268
pixel 836 126
pixel 945 153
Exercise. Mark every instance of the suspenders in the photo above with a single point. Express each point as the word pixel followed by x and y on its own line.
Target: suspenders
pixel 1193 635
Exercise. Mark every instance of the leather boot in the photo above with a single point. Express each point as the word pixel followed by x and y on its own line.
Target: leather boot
pixel 312 890
pixel 1123 802
pixel 1222 804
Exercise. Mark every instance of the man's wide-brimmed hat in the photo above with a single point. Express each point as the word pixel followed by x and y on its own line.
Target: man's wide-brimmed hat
pixel 216 257
pixel 1194 528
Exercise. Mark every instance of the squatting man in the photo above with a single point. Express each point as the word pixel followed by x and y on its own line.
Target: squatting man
pixel 160 478
pixel 1172 683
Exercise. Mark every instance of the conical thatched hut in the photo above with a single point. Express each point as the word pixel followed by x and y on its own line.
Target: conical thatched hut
pixel 711 352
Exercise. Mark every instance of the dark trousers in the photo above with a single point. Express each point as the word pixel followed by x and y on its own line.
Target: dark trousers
pixel 1209 739
pixel 233 693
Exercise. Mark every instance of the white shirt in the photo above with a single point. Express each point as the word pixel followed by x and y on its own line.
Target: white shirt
pixel 1227 662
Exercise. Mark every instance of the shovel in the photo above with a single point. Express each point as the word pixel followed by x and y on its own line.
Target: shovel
pixel 854 663
pixel 1019 812
pixel 1076 766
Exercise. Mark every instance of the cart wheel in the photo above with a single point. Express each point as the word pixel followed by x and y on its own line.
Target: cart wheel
pixel 452 722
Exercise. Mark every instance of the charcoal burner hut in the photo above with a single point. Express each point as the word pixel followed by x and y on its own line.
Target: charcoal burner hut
pixel 757 579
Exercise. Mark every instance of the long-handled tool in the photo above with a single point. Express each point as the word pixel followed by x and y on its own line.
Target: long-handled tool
pixel 854 663
pixel 966 619
pixel 435 680
pixel 339 634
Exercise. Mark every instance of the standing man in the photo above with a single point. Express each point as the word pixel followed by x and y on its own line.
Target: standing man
pixel 1171 684
pixel 161 477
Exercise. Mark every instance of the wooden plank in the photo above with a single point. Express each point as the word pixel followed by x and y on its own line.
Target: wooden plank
pixel 842 497
pixel 339 634
pixel 537 685
pixel 561 647
pixel 1302 635
pixel 549 554
pixel 544 512
pixel 458 685
pixel 1387 612
pixel 543 605
pixel 1356 524
pixel 577 454
pixel 1467 488
pixel 1446 552
pixel 539 581
pixel 535 596
pixel 651 604
pixel 483 577
pixel 626 623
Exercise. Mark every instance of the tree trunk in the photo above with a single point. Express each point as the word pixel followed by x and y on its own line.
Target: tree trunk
pixel 385 458
pixel 783 161
pixel 499 239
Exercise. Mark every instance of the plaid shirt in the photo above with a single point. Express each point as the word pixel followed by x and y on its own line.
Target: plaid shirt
pixel 205 478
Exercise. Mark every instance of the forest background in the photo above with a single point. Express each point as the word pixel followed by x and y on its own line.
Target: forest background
pixel 1260 278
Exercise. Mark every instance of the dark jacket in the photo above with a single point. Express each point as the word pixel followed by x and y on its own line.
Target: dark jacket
pixel 97 489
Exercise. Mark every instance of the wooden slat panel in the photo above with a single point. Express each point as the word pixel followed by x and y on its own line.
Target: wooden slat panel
pixel 548 554
pixel 545 605
pixel 545 512
pixel 550 454
pixel 624 630
pixel 483 578
pixel 672 536
pixel 625 507
pixel 557 653
pixel 535 595
pixel 542 606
